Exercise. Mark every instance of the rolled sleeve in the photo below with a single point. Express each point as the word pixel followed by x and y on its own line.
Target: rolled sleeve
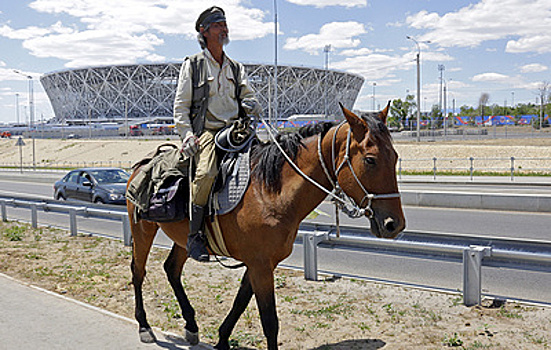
pixel 246 88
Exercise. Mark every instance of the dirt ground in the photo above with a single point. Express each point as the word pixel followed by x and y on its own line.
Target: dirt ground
pixel 330 314
pixel 124 152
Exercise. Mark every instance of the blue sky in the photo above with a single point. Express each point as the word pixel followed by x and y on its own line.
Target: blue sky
pixel 499 47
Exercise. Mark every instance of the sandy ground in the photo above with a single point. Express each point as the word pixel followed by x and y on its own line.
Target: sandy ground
pixel 533 154
pixel 330 314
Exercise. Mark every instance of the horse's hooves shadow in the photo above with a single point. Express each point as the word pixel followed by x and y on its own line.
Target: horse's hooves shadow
pixel 173 342
pixel 356 344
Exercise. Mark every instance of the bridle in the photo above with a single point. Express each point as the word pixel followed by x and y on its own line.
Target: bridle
pixel 340 197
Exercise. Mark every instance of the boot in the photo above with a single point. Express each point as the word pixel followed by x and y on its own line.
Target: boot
pixel 196 242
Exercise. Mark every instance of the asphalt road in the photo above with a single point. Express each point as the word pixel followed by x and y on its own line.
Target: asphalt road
pixel 523 225
pixel 415 270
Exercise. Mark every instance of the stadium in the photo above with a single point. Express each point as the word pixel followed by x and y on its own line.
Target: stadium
pixel 146 92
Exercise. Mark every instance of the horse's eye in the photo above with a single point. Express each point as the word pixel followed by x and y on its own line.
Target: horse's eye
pixel 370 160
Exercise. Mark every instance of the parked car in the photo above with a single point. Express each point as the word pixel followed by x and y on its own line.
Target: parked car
pixel 97 185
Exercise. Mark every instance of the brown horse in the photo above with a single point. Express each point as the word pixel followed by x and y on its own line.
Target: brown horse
pixel 356 156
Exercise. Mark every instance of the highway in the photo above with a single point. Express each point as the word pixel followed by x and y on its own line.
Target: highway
pixel 442 273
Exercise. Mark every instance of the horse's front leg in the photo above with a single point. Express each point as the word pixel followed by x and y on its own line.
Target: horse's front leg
pixel 239 305
pixel 262 281
pixel 173 267
pixel 143 234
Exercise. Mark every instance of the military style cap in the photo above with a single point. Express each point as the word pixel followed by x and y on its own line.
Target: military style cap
pixel 211 15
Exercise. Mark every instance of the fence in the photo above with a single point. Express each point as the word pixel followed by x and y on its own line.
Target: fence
pixel 312 235
pixel 54 166
pixel 511 166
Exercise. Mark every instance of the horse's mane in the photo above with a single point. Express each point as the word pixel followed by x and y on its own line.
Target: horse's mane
pixel 268 160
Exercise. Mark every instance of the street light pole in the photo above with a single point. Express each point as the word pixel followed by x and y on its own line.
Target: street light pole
pixel 31 113
pixel 326 49
pixel 418 59
pixel 374 84
pixel 275 114
pixel 17 108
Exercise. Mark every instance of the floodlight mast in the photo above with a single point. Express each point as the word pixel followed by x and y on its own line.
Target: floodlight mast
pixel 31 111
pixel 418 59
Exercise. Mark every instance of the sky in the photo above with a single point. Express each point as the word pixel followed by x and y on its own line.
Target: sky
pixel 498 47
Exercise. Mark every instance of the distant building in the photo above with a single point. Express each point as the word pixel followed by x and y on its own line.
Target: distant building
pixel 146 91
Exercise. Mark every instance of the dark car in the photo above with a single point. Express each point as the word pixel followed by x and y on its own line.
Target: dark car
pixel 97 185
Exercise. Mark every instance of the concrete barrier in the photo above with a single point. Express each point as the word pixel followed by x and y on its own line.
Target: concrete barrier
pixel 488 201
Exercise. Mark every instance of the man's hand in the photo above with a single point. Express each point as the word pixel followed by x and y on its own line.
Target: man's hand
pixel 190 146
pixel 251 106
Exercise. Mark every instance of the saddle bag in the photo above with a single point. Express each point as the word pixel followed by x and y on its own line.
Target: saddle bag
pixel 168 203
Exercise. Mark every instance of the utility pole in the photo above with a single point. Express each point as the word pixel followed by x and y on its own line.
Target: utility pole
pixel 441 69
pixel 17 108
pixel 326 49
pixel 445 112
pixel 374 84
pixel 275 114
pixel 31 112
pixel 418 59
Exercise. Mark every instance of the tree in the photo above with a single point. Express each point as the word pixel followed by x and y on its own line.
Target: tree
pixel 467 111
pixel 402 109
pixel 482 101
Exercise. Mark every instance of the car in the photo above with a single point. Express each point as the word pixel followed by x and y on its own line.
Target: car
pixel 96 185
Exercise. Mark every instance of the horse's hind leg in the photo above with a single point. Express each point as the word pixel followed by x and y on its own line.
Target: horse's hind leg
pixel 173 267
pixel 143 235
pixel 239 305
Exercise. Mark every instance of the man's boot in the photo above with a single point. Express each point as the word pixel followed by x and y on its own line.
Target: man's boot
pixel 196 241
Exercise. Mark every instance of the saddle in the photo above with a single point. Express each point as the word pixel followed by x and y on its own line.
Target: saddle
pixel 160 189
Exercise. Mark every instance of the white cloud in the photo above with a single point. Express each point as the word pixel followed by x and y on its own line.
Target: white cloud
pixel 491 77
pixel 324 3
pixel 375 66
pixel 359 52
pixel 537 43
pixel 33 32
pixel 525 23
pixel 533 68
pixel 94 47
pixel 336 34
pixel 99 32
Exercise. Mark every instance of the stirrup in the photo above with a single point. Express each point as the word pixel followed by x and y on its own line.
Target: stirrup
pixel 197 249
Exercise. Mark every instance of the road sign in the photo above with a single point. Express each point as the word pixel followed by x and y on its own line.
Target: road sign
pixel 20 142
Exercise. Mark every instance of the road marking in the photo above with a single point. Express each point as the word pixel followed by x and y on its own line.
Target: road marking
pixel 27 194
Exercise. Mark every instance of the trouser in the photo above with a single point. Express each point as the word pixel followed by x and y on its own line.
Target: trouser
pixel 206 169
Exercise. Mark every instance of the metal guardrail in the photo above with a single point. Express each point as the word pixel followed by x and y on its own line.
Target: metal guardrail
pixel 513 166
pixel 72 209
pixel 473 256
pixel 312 235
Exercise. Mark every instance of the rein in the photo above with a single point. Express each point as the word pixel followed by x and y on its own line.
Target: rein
pixel 339 196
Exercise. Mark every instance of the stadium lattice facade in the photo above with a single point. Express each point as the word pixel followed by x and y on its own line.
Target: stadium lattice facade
pixel 113 93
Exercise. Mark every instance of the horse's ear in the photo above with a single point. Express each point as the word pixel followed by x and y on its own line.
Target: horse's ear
pixel 357 124
pixel 384 113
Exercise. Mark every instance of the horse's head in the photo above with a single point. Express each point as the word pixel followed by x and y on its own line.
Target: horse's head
pixel 368 174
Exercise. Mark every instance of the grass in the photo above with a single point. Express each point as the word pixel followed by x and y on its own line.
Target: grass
pixel 15 233
pixel 452 340
pixel 503 312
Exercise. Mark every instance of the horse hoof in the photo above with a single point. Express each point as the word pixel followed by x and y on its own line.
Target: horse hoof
pixel 192 337
pixel 222 346
pixel 147 336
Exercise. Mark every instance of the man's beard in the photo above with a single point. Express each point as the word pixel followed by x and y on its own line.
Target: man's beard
pixel 224 40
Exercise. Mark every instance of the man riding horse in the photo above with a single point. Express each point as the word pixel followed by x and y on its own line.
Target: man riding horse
pixel 211 89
